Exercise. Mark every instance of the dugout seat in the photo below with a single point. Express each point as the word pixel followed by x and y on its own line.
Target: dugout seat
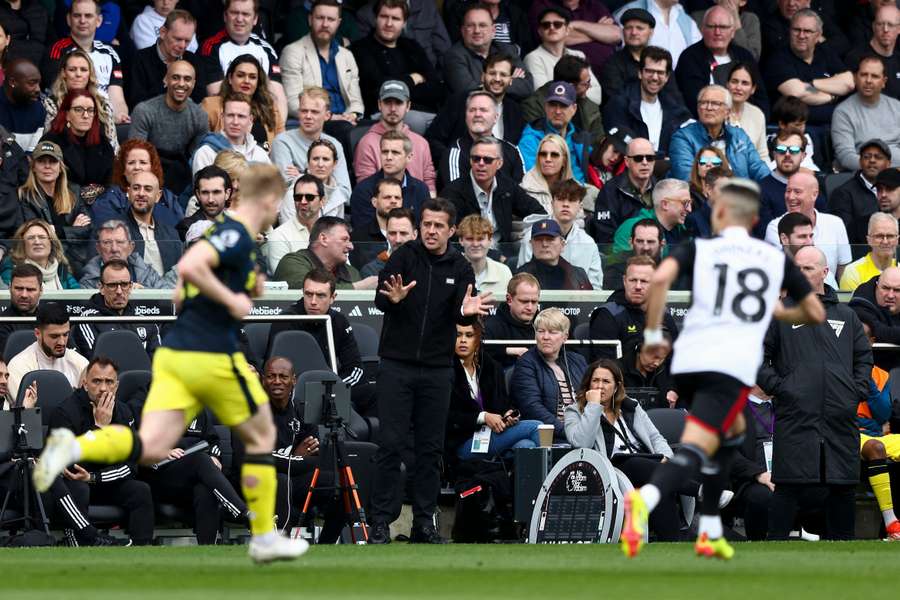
pixel 367 339
pixel 258 339
pixel 302 349
pixel 16 342
pixel 125 348
pixel 52 388
pixel 132 390
pixel 669 422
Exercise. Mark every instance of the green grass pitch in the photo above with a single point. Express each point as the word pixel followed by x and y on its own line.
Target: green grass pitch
pixel 760 571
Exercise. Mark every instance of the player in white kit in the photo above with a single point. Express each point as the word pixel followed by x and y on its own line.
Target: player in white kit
pixel 735 293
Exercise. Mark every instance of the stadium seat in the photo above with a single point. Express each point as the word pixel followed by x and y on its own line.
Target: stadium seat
pixel 357 133
pixel 359 426
pixel 52 387
pixel 301 349
pixel 132 390
pixel 583 332
pixel 835 180
pixel 125 348
pixel 16 342
pixel 367 339
pixel 669 422
pixel 258 339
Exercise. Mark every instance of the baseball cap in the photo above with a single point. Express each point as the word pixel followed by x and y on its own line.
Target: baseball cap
pixel 638 14
pixel 546 227
pixel 877 143
pixel 620 138
pixel 47 149
pixel 889 178
pixel 562 92
pixel 393 89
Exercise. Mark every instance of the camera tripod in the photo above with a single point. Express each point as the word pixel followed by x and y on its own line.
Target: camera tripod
pixel 22 468
pixel 335 456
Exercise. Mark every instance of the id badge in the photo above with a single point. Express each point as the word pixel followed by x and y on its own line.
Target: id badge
pixel 767 450
pixel 481 440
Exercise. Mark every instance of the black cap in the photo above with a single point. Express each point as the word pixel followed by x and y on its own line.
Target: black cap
pixel 876 143
pixel 620 138
pixel 889 178
pixel 562 11
pixel 638 14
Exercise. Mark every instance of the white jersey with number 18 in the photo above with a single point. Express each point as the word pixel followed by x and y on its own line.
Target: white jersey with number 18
pixel 736 281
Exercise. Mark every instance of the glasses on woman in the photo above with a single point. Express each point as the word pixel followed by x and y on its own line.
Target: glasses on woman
pixel 83 110
pixel 549 154
pixel 710 160
pixel 37 238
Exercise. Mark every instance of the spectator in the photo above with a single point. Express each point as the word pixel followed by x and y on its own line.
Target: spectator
pixel 544 381
pixel 795 231
pixel 490 193
pixel 646 240
pixel 385 55
pixel 829 233
pixel 290 149
pixel 156 242
pixel 809 70
pixel 369 242
pixel 237 123
pixel 173 124
pixel 559 108
pixel 475 233
pixel 743 81
pixel 463 62
pixel 887 185
pixel 87 153
pixel 855 201
pixel 510 23
pixel 625 194
pixel 882 254
pixel 424 25
pixel 647 369
pixel 605 419
pixel 49 349
pixel 642 108
pixel 76 72
pixel 707 158
pixel 450 121
pixel 593 31
pixel 393 106
pixel 35 243
pixel 579 249
pixel 319 60
pixel 547 264
pixel 607 158
pixel 479 400
pixel 415 375
pixel 109 12
pixel 714 105
pixel 552 166
pixel 83 19
pixel 623 315
pixel 174 40
pixel 747 32
pixel 212 188
pixel 776 26
pixel 671 206
pixel 396 154
pixel 329 247
pixel 789 153
pixel 237 39
pixel 709 60
pixel 674 30
pixel 308 194
pixel 700 219
pixel 246 76
pixel 790 114
pixel 401 228
pixel 113 299
pixel 29 30
pixel 25 290
pixel 149 26
pixel 114 242
pixel 93 405
pixel 21 110
pixel 883 42
pixel 554 29
pixel 481 115
pixel 133 157
pixel 321 163
pixel 235 165
pixel 865 115
pixel 877 304
pixel 817 375
pixel 577 72
pixel 513 319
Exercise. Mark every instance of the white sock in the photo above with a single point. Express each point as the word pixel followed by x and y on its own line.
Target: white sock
pixel 650 494
pixel 74 452
pixel 888 516
pixel 270 537
pixel 711 525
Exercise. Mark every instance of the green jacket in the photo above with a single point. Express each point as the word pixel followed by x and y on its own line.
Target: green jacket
pixel 622 238
pixel 587 117
pixel 294 266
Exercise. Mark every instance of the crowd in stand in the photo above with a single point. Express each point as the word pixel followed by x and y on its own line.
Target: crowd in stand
pixel 576 141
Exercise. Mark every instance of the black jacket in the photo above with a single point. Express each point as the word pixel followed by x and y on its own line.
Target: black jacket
pixel 817 374
pixel 290 430
pixel 622 69
pixel 564 276
pixel 368 242
pixel 507 201
pixel 147 72
pixel 13 173
pixel 6 329
pixel 624 110
pixel 450 123
pixel 30 29
pixel 84 164
pixel 620 320
pixel 85 334
pixel 170 246
pixel 854 203
pixel 692 74
pixel 77 415
pixel 885 326
pixel 455 162
pixel 503 326
pixel 421 328
pixel 346 350
pixel 660 379
pixel 616 203
pixel 461 419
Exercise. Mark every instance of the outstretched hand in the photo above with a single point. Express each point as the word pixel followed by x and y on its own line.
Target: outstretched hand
pixel 394 289
pixel 477 305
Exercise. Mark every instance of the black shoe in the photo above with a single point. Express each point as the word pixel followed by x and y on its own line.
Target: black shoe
pixel 108 540
pixel 425 535
pixel 380 533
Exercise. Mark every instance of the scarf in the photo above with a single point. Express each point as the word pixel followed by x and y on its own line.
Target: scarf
pixel 50 274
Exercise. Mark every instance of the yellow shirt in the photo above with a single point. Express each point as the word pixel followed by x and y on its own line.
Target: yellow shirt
pixel 860 271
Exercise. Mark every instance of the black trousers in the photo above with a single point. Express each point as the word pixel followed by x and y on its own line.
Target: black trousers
pixel 839 502
pixel 664 520
pixel 196 481
pixel 414 396
pixel 363 397
pixel 59 506
pixel 131 494
pixel 751 503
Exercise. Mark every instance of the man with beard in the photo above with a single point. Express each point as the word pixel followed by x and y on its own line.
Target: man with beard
pixel 25 287
pixel 293 235
pixel 21 110
pixel 647 239
pixel 369 241
pixel 213 189
pixel 157 243
pixel 855 201
pixel 789 151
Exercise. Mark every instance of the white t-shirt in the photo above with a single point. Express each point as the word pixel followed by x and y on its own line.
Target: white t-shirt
pixel 145 30
pixel 651 114
pixel 720 60
pixel 829 236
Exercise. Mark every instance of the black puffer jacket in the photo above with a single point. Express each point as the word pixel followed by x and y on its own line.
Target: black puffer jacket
pixel 30 29
pixel 13 173
pixel 818 374
pixel 503 326
pixel 621 320
pixel 85 334
pixel 884 325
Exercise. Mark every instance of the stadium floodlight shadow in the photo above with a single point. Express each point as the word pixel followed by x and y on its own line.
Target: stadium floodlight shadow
pixel 21 441
pixel 125 347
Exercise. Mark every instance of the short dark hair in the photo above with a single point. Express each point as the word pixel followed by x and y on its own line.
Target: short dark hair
pixel 95 2
pixel 401 4
pixel 402 213
pixel 307 178
pixel 51 313
pixel 788 109
pixel 746 66
pixel 568 189
pixel 569 68
pixel 333 3
pixel 116 263
pixel 870 57
pixel 655 53
pixel 498 57
pixel 792 221
pixel 211 172
pixel 383 182
pixel 325 224
pixel 783 134
pixel 24 271
pixel 320 275
pixel 648 222
pixel 474 6
pixel 179 14
pixel 103 361
pixel 639 261
pixel 440 205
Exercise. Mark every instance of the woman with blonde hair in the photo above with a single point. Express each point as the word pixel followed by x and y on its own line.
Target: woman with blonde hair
pixel 35 243
pixel 553 164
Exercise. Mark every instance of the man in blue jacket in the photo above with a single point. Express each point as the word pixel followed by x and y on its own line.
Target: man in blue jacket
pixel 559 108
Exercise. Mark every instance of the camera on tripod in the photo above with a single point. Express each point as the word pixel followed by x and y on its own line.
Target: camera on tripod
pixel 21 440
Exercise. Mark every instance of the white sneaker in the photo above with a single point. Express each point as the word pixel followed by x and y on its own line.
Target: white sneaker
pixel 54 459
pixel 280 548
pixel 725 498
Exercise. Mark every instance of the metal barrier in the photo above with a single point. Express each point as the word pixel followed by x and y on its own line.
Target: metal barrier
pixel 616 343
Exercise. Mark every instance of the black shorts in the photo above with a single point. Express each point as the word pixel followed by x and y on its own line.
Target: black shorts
pixel 715 399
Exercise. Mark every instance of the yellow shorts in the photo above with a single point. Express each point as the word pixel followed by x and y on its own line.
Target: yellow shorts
pixel 891 444
pixel 186 380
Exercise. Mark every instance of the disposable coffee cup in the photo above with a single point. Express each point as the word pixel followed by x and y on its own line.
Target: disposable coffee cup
pixel 545 433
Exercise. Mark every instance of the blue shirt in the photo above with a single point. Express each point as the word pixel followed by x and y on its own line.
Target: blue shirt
pixel 330 80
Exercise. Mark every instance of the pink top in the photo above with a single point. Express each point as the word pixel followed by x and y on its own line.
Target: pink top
pixel 367 159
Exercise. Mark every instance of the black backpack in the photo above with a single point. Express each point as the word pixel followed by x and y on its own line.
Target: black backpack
pixel 484 507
